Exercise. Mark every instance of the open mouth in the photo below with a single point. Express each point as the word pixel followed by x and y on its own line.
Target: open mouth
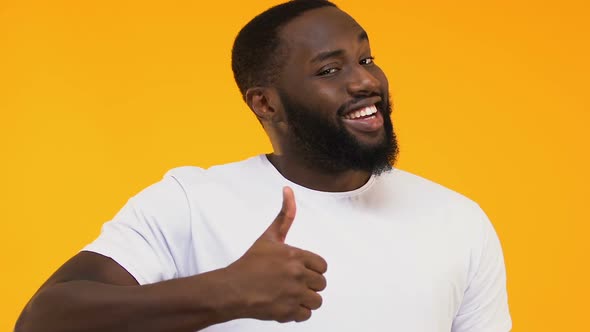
pixel 367 119
pixel 364 112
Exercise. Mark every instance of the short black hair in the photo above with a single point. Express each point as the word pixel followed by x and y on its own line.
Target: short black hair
pixel 256 54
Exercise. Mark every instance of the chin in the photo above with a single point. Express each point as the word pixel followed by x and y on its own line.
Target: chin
pixel 370 141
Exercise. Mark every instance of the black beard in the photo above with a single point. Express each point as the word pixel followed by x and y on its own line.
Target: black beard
pixel 331 148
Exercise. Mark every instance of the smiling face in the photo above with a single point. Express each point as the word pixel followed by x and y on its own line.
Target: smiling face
pixel 334 96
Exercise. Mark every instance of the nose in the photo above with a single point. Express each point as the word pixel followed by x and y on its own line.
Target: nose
pixel 363 82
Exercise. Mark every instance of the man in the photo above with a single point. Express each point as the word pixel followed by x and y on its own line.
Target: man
pixel 205 249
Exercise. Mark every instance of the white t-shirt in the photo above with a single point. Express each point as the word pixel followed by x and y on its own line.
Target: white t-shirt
pixel 404 254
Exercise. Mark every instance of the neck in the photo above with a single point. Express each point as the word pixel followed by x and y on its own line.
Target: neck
pixel 300 172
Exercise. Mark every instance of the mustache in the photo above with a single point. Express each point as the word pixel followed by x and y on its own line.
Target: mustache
pixel 381 106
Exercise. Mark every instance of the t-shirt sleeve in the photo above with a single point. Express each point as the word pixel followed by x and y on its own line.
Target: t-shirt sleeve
pixel 150 235
pixel 485 303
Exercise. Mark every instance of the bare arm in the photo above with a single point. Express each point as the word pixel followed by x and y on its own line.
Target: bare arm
pixel 271 281
pixel 93 293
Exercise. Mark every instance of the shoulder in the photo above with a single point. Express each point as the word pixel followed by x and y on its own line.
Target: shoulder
pixel 191 178
pixel 412 187
pixel 435 206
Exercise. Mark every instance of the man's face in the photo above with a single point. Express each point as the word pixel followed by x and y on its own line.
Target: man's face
pixel 334 96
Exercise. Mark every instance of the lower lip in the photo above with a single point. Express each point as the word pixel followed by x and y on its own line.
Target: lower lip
pixel 370 124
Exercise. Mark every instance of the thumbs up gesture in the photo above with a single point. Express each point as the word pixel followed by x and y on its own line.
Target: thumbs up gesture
pixel 275 281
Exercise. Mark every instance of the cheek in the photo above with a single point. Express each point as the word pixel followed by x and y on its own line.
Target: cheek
pixel 326 98
pixel 380 75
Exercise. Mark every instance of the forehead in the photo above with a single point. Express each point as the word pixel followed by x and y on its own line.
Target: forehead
pixel 318 30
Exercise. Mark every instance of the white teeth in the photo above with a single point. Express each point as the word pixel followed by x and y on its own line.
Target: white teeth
pixel 369 110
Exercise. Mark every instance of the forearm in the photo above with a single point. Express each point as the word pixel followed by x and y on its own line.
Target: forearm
pixel 187 304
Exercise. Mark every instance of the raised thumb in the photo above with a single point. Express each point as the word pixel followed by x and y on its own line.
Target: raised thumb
pixel 279 228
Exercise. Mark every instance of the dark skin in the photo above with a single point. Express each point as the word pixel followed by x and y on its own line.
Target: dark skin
pixel 325 85
pixel 272 280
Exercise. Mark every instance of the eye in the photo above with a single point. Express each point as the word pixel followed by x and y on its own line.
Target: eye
pixel 327 71
pixel 368 61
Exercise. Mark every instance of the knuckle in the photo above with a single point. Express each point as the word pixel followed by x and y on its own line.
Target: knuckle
pixel 304 315
pixel 281 215
pixel 293 253
pixel 293 291
pixel 318 262
pixel 286 313
pixel 323 265
pixel 296 271
pixel 322 283
pixel 320 301
pixel 317 302
pixel 284 318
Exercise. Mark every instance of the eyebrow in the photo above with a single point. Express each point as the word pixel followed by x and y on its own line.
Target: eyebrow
pixel 336 53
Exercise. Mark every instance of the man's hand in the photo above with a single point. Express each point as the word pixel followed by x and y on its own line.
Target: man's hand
pixel 274 280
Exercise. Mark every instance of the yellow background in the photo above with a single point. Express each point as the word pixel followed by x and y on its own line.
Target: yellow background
pixel 99 98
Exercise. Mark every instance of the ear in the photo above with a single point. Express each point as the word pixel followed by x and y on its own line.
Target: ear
pixel 265 103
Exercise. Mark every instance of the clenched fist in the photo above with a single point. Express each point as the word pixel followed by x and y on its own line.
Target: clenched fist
pixel 276 281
